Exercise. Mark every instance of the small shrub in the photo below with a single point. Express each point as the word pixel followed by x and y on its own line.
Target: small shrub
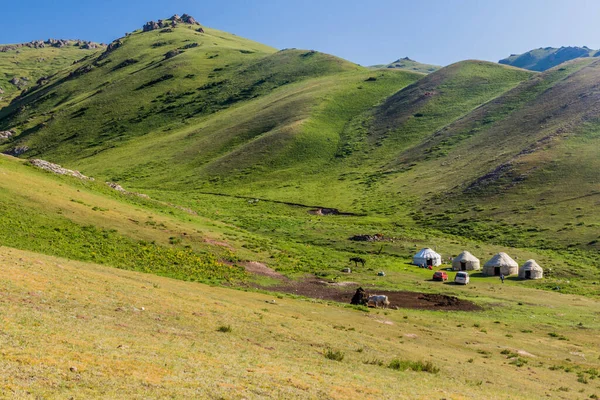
pixel 224 328
pixel 418 366
pixel 519 362
pixel 334 355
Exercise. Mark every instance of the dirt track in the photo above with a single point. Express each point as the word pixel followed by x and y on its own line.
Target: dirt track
pixel 318 289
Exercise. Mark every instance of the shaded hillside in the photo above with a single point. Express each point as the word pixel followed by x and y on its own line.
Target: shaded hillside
pixel 545 58
pixel 150 81
pixel 525 162
pixel 22 65
pixel 409 65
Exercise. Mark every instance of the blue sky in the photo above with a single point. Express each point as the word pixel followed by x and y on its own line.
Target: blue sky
pixel 366 32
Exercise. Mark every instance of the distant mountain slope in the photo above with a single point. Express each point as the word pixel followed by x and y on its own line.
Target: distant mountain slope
pixel 21 65
pixel 409 65
pixel 525 162
pixel 543 59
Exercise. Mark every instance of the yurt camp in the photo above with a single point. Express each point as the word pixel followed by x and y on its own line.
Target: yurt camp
pixel 427 257
pixel 531 270
pixel 501 264
pixel 465 261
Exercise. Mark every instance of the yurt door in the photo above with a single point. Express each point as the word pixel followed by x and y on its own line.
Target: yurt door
pixel 527 274
pixel 497 271
pixel 429 262
pixel 463 266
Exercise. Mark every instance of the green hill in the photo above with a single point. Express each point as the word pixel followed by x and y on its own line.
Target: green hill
pixel 409 65
pixel 179 111
pixel 545 58
pixel 22 65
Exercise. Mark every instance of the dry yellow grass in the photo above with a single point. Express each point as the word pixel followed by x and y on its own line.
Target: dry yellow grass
pixel 79 330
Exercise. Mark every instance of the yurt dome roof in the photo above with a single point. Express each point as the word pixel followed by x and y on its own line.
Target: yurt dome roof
pixel 501 259
pixel 427 253
pixel 465 256
pixel 531 265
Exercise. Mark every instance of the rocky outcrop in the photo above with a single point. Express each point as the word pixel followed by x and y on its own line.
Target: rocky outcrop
pixel 17 151
pixel 188 19
pixel 110 48
pixel 174 21
pixel 152 25
pixel 57 169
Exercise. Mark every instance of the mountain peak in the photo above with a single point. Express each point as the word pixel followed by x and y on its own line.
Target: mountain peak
pixel 170 22
pixel 409 64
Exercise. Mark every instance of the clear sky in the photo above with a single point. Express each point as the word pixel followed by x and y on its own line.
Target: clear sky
pixel 365 32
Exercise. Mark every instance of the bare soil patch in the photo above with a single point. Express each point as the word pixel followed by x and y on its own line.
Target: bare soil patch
pixel 319 289
pixel 255 267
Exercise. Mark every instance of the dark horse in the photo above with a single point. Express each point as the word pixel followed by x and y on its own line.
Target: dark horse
pixel 360 298
pixel 358 260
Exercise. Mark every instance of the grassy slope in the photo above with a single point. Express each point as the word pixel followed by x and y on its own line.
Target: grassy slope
pixel 87 221
pixel 409 65
pixel 146 336
pixel 33 64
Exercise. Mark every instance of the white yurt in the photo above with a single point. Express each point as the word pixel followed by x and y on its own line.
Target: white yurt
pixel 501 264
pixel 427 257
pixel 531 270
pixel 466 261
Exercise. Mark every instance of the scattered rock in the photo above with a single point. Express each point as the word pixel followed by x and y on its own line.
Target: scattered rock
pixel 6 134
pixel 119 188
pixel 525 353
pixel 325 211
pixel 368 238
pixel 1 91
pixel 57 169
pixel 73 369
pixel 15 81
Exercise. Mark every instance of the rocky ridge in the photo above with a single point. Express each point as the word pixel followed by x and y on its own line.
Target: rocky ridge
pixel 56 43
